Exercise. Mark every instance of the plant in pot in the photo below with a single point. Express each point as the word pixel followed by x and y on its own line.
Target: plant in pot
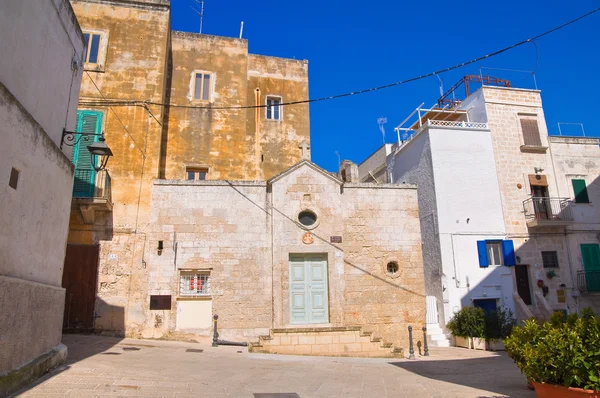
pixel 551 274
pixel 561 357
pixel 466 324
pixel 498 325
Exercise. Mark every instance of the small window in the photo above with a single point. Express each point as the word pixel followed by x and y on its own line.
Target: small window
pixel 202 86
pixel 580 191
pixel 192 284
pixel 196 174
pixel 392 268
pixel 550 259
pixel 274 108
pixel 494 252
pixel 307 218
pixel 531 132
pixel 92 47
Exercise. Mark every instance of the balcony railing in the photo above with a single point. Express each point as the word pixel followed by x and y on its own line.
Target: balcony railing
pixel 547 211
pixel 91 184
pixel 588 281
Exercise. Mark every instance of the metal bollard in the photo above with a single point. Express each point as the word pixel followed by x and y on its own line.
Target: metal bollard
pixel 425 348
pixel 215 334
pixel 411 349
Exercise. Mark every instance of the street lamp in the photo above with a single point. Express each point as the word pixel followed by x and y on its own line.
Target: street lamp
pixel 99 150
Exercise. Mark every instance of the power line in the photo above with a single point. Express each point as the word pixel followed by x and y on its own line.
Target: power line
pixel 117 116
pixel 398 83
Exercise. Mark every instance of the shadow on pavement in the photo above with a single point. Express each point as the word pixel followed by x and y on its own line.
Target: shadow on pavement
pixel 496 374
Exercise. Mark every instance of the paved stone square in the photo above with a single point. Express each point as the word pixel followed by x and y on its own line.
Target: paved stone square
pixel 107 366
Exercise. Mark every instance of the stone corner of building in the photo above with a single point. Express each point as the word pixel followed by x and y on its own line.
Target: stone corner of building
pixel 19 378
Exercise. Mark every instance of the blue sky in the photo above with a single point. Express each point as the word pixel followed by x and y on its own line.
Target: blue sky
pixel 352 45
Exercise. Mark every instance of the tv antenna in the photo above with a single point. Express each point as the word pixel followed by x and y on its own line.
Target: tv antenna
pixel 339 158
pixel 381 121
pixel 200 12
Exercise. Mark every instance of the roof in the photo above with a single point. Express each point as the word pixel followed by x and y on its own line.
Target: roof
pixel 304 162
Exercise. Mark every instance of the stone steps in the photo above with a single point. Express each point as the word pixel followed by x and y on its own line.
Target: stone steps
pixel 327 341
pixel 436 336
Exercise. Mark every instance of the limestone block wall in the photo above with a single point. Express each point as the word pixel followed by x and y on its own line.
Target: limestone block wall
pixel 222 228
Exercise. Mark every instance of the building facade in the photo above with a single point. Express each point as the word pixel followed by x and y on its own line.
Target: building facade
pixel 37 177
pixel 173 106
pixel 506 212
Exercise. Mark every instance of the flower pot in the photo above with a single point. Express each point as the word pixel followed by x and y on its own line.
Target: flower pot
pixel 494 345
pixel 464 342
pixel 478 344
pixel 543 390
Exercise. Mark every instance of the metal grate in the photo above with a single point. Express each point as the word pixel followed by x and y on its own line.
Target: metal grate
pixel 531 132
pixel 550 259
pixel 194 285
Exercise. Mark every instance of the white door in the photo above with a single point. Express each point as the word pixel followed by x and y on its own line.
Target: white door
pixel 308 289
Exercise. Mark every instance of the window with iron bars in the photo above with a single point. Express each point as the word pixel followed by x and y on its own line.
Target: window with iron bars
pixel 550 259
pixel 194 285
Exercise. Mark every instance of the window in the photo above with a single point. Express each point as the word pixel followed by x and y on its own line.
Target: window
pixel 202 86
pixel 531 132
pixel 496 252
pixel 550 259
pixel 392 268
pixel 580 191
pixel 193 284
pixel 196 174
pixel 92 47
pixel 307 218
pixel 274 108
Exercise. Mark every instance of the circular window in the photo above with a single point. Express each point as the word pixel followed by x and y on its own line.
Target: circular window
pixel 307 218
pixel 392 268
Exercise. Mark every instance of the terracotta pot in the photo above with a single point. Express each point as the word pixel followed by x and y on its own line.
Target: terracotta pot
pixel 543 390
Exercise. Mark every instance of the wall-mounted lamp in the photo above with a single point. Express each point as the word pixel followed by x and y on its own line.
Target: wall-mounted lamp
pixel 99 150
pixel 159 249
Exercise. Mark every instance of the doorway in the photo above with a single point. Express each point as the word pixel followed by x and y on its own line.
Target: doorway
pixel 522 276
pixel 487 305
pixel 80 278
pixel 309 302
pixel 541 204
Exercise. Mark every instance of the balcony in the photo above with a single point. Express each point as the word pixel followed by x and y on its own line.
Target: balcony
pixel 91 193
pixel 588 281
pixel 547 212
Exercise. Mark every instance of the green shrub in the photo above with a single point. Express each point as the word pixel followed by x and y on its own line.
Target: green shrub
pixel 563 351
pixel 468 322
pixel 498 324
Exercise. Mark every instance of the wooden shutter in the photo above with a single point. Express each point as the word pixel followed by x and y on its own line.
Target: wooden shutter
pixel 85 174
pixel 482 251
pixel 531 132
pixel 508 252
pixel 580 190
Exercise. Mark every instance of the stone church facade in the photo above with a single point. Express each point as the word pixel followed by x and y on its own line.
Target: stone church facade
pixel 305 249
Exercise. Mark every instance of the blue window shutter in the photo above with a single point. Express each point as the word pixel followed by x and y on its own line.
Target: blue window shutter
pixel 482 250
pixel 508 251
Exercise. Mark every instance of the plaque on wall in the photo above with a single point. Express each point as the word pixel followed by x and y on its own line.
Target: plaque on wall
pixel 335 239
pixel 160 302
pixel 307 238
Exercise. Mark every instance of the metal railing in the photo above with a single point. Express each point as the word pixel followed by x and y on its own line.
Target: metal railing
pixel 548 209
pixel 588 281
pixel 89 183
pixel 457 124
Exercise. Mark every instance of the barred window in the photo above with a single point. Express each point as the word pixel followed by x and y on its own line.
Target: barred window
pixel 550 259
pixel 531 132
pixel 191 284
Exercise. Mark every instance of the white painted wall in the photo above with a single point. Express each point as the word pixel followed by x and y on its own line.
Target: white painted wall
pixel 459 204
pixel 39 40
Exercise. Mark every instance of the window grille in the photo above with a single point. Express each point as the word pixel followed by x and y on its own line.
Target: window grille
pixel 194 285
pixel 550 259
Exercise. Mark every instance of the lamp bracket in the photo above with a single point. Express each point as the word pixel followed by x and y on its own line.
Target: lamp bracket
pixel 69 137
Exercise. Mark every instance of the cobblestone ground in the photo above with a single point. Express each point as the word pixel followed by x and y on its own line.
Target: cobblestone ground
pixel 107 366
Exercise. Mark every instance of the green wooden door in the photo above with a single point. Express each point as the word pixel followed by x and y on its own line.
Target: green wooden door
pixel 590 252
pixel 309 303
pixel 85 174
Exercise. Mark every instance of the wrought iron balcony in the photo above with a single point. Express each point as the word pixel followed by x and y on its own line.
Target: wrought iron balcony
pixel 588 281
pixel 92 192
pixel 547 212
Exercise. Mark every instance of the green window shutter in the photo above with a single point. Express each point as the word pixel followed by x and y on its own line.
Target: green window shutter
pixel 85 174
pixel 580 190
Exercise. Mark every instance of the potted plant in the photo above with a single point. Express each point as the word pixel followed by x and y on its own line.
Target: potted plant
pixel 466 324
pixel 498 325
pixel 560 357
pixel 551 274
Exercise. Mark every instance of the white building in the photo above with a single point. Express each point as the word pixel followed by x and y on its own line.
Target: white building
pixel 500 221
pixel 40 76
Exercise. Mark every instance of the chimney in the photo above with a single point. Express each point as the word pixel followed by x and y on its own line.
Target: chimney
pixel 348 171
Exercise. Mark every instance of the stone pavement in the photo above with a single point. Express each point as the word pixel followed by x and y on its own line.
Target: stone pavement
pixel 108 366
